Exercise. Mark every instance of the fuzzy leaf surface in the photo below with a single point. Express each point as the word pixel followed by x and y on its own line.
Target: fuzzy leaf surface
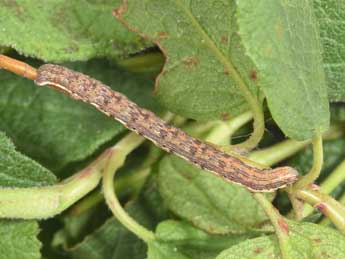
pixel 307 239
pixel 207 201
pixel 193 242
pixel 331 15
pixel 19 237
pixel 65 30
pixel 204 55
pixel 282 39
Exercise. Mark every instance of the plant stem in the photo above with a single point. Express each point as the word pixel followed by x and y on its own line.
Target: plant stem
pixel 148 63
pixel 126 185
pixel 18 67
pixel 333 180
pixel 336 177
pixel 258 125
pixel 133 181
pixel 314 172
pixel 45 202
pixel 326 221
pixel 328 206
pixel 307 180
pixel 222 133
pixel 279 223
pixel 279 152
pixel 115 161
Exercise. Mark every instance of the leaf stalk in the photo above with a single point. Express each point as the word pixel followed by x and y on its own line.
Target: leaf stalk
pixel 279 223
pixel 314 172
pixel 115 161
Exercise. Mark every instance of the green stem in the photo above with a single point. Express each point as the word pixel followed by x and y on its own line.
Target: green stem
pixel 328 206
pixel 279 223
pixel 307 180
pixel 222 133
pixel 133 181
pixel 148 63
pixel 258 125
pixel 45 202
pixel 326 221
pixel 124 186
pixel 336 177
pixel 115 161
pixel 199 130
pixel 333 180
pixel 285 149
pixel 279 152
pixel 314 173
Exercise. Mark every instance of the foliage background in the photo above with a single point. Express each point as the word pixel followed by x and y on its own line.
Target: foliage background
pixel 279 47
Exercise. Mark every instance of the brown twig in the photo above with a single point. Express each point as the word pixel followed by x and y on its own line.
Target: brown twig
pixel 18 67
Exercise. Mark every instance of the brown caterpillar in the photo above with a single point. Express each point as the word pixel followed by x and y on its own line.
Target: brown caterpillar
pixel 165 136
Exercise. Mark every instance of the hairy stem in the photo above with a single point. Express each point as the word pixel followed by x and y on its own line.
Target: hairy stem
pixel 326 221
pixel 333 180
pixel 328 206
pixel 45 202
pixel 133 181
pixel 127 185
pixel 222 133
pixel 307 180
pixel 314 172
pixel 279 223
pixel 258 125
pixel 150 62
pixel 336 177
pixel 279 152
pixel 115 161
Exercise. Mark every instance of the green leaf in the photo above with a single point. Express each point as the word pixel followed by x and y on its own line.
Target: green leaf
pixel 204 55
pixel 282 39
pixel 56 130
pixel 307 240
pixel 158 250
pixel 152 199
pixel 107 241
pixel 77 226
pixel 17 170
pixel 207 201
pixel 193 242
pixel 65 30
pixel 204 42
pixel 331 15
pixel 18 238
pixel 112 240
